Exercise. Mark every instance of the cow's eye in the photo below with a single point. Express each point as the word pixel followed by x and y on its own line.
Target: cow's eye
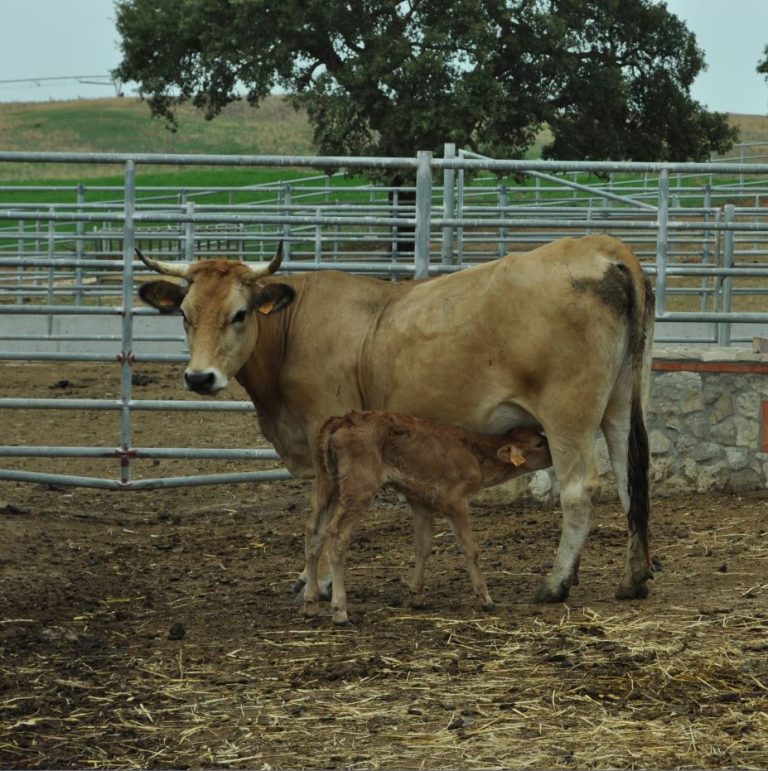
pixel 239 317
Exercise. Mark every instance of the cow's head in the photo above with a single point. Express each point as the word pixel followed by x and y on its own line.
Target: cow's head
pixel 220 303
pixel 526 449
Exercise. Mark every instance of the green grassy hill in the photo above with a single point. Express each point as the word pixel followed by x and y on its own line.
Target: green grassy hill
pixel 125 125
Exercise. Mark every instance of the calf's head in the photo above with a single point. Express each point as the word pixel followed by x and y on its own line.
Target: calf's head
pixel 221 304
pixel 526 449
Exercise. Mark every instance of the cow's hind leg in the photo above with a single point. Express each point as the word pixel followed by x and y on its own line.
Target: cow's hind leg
pixel 577 473
pixel 618 429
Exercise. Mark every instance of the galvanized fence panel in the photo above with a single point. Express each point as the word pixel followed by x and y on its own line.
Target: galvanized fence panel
pixel 700 229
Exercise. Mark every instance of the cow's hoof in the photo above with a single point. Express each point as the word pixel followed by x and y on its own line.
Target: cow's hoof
pixel 627 591
pixel 547 593
pixel 488 607
pixel 417 601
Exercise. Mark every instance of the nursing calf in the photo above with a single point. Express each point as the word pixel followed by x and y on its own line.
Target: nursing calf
pixel 437 468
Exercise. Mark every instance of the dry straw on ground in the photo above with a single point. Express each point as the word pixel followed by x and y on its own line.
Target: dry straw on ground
pixel 587 691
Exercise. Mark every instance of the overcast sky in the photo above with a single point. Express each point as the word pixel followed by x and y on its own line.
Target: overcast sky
pixel 42 39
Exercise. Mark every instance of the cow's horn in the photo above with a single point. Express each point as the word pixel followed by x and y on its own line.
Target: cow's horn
pixel 268 268
pixel 179 269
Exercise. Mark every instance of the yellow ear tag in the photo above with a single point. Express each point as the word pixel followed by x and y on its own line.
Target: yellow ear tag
pixel 266 308
pixel 515 458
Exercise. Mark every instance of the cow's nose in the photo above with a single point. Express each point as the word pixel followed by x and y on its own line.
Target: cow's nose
pixel 201 382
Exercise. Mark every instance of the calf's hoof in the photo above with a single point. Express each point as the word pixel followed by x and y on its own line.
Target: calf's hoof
pixel 325 586
pixel 310 610
pixel 488 607
pixel 340 618
pixel 416 600
pixel 298 593
pixel 324 590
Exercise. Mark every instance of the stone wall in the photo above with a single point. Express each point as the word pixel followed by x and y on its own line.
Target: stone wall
pixel 706 423
pixel 707 427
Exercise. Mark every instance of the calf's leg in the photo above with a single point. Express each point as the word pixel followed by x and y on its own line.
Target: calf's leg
pixel 423 523
pixel 339 534
pixel 458 518
pixel 323 499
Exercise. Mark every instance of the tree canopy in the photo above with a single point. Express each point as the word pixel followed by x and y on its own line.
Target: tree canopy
pixel 762 67
pixel 610 78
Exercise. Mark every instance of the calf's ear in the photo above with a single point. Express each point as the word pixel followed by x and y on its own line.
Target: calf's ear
pixel 163 295
pixel 270 298
pixel 511 453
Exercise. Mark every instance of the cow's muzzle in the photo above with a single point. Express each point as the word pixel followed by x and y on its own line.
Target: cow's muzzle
pixel 204 382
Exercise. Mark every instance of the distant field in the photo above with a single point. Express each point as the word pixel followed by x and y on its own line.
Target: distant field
pixel 125 125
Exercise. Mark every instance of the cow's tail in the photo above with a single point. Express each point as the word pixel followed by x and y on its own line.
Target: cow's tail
pixel 641 319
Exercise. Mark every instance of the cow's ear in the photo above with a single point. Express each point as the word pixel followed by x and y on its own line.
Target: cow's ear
pixel 511 453
pixel 163 295
pixel 270 298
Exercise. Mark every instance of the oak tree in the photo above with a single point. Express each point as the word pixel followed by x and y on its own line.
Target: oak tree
pixel 610 78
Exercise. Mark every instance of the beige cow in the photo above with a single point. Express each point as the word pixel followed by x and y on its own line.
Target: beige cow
pixel 438 468
pixel 556 339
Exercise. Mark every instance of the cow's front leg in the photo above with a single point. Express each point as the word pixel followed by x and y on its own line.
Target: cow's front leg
pixel 577 486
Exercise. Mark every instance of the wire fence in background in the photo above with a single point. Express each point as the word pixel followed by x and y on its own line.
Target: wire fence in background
pixel 68 274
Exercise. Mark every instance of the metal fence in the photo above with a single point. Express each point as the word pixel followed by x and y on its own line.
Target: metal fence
pixel 68 273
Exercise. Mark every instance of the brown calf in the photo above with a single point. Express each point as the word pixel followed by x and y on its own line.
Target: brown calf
pixel 436 467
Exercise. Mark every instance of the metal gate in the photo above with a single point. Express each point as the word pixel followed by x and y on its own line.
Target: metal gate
pixel 700 234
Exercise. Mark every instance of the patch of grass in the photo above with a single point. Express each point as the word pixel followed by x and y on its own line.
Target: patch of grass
pixel 125 126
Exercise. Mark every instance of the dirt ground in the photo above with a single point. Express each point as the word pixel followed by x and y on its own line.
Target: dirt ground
pixel 157 629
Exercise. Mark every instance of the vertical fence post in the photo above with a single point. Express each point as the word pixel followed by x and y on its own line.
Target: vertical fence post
pixel 724 327
pixel 393 229
pixel 126 353
pixel 286 202
pixel 741 175
pixel 661 243
pixel 705 255
pixel 79 245
pixel 423 213
pixel 503 203
pixel 189 233
pixel 20 267
pixel 51 268
pixel 449 181
pixel 459 207
pixel 318 237
pixel 182 243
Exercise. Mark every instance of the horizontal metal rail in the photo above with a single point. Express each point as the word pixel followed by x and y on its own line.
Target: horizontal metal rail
pixel 144 484
pixel 354 162
pixel 137 405
pixel 175 453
